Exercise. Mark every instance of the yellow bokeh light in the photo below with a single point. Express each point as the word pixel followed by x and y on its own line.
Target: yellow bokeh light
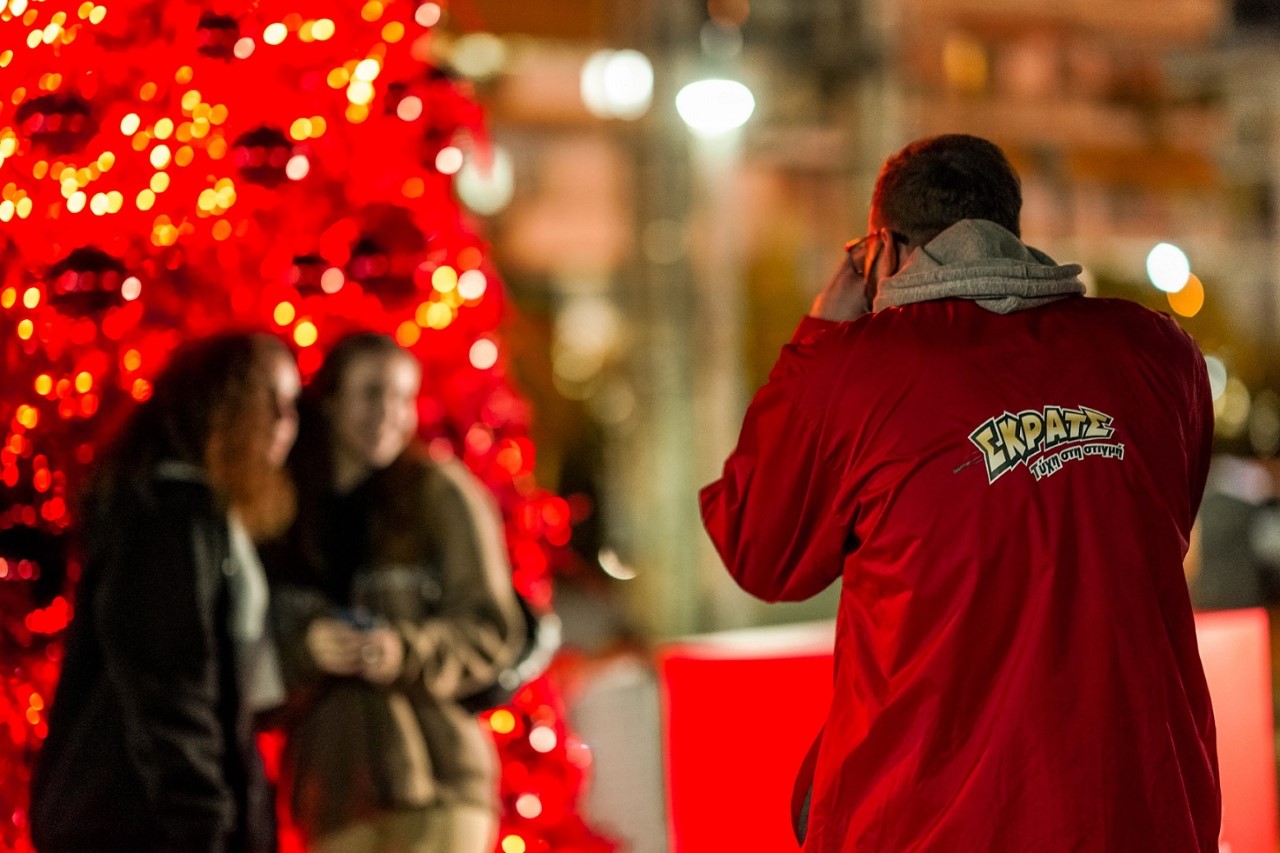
pixel 148 91
pixel 372 10
pixel 393 32
pixel 84 382
pixel 502 721
pixel 284 313
pixel 513 844
pixel 190 100
pixel 444 279
pixel 106 161
pixel 439 315
pixel 132 360
pixel 115 201
pixel 129 124
pixel 300 129
pixel 305 334
pixel 184 156
pixel 41 169
pixel 1190 299
pixel 318 126
pixel 163 128
pixel 31 298
pixel 184 75
pixel 159 182
pixel 160 156
pixel 222 230
pixel 323 30
pixel 146 200
pixel 275 34
pixel 338 78
pixel 97 15
pixel 98 204
pixel 356 113
pixel 183 133
pixel 76 203
pixel 26 329
pixel 9 297
pixel 367 70
pixel 360 92
pixel 44 384
pixel 5 58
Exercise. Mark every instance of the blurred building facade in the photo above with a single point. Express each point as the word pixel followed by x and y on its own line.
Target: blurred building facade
pixel 657 274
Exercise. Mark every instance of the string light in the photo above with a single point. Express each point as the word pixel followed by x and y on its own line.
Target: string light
pixel 176 201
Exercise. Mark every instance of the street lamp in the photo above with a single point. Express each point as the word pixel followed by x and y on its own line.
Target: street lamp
pixel 715 107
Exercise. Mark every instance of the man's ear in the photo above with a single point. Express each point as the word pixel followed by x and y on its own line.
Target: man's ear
pixel 882 262
pixel 891 254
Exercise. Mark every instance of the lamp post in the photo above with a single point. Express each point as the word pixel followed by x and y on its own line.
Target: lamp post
pixel 715 111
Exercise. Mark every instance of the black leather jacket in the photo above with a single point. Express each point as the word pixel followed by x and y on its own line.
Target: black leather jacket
pixel 149 747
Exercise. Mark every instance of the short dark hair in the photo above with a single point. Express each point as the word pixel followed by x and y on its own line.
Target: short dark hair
pixel 934 183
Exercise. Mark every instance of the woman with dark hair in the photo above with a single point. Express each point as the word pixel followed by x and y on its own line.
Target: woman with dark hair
pixel 150 742
pixel 393 599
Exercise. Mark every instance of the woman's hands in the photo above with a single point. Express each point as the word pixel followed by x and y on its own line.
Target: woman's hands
pixel 338 648
pixel 382 656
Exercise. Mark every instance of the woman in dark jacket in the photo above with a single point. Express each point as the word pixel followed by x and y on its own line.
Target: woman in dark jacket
pixel 150 742
pixel 393 598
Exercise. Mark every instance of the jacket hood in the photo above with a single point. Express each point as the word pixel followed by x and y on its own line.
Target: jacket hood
pixel 979 260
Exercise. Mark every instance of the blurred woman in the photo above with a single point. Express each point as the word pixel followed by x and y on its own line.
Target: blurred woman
pixel 150 734
pixel 393 598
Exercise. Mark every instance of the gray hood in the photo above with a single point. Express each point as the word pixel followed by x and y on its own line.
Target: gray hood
pixel 980 260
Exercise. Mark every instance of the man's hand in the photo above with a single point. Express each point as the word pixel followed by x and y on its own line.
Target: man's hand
pixel 849 293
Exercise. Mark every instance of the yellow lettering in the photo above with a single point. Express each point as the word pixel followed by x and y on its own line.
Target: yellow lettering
pixel 1032 427
pixel 1013 443
pixel 1075 423
pixel 1055 430
pixel 1099 424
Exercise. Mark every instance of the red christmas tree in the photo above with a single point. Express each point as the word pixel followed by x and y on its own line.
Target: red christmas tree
pixel 170 168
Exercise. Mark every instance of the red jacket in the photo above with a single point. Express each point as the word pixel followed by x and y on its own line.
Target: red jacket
pixel 1006 500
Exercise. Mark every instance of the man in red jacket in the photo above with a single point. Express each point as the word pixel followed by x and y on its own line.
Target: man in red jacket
pixel 1003 476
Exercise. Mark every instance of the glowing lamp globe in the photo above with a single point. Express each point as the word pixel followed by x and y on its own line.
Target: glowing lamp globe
pixel 1168 267
pixel 715 107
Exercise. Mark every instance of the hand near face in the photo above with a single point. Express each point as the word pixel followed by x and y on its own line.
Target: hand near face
pixel 851 290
